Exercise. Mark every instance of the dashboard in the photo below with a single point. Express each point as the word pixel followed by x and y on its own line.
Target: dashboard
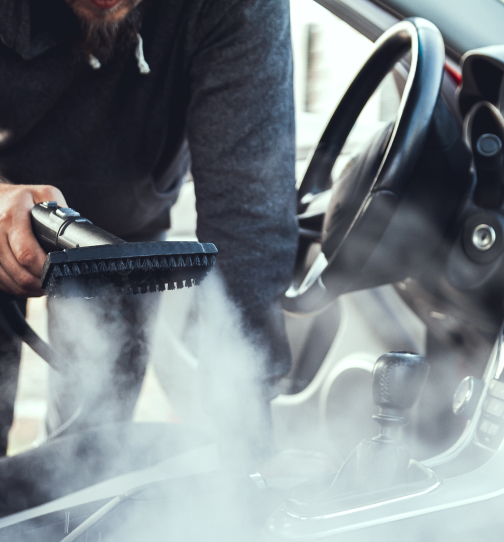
pixel 462 305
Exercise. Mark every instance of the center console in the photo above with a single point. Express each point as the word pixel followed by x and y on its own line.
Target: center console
pixel 440 497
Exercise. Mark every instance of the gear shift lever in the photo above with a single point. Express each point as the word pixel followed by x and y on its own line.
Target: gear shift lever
pixel 378 469
pixel 383 461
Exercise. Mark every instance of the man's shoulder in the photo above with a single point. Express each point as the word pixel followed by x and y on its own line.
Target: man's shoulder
pixel 234 7
pixel 211 14
pixel 206 14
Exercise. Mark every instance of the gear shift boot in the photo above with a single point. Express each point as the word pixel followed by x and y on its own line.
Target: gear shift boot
pixel 374 464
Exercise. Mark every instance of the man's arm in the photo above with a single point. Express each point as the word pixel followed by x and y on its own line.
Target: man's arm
pixel 242 141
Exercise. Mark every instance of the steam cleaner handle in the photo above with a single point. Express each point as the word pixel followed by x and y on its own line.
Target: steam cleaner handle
pixel 57 228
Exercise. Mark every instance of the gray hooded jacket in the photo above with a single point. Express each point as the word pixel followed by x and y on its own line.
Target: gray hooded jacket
pixel 118 143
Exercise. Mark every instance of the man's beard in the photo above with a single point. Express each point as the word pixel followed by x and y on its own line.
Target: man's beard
pixel 103 38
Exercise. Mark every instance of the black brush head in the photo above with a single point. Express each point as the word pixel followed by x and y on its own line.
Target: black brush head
pixel 126 268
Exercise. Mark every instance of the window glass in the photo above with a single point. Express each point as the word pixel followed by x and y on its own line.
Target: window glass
pixel 328 53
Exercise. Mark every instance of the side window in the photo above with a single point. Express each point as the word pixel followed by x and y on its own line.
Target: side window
pixel 328 53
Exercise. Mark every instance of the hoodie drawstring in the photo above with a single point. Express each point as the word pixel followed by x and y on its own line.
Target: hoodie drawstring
pixel 143 67
pixel 94 62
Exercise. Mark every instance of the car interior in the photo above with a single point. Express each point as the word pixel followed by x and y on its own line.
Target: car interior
pixel 395 317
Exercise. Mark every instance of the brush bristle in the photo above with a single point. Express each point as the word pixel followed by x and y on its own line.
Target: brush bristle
pixel 128 276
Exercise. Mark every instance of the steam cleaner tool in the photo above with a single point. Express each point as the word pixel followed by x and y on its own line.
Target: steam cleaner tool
pixel 85 261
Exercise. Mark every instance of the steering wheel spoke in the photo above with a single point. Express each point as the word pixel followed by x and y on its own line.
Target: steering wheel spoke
pixel 311 221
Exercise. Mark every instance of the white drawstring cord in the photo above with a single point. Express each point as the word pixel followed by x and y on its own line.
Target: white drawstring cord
pixel 139 53
pixel 143 67
pixel 94 62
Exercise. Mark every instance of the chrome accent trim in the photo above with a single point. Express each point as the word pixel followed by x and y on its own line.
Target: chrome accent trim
pixel 368 506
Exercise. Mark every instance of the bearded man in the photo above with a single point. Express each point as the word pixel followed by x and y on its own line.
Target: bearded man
pixel 104 106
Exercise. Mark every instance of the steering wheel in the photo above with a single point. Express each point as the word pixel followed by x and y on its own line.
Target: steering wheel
pixel 358 218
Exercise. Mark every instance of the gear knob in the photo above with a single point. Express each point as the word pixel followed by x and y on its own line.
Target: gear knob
pixel 398 380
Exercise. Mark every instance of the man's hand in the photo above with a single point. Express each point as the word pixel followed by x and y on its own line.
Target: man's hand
pixel 21 257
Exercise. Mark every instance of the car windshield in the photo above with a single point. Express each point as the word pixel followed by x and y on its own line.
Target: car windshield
pixel 465 24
